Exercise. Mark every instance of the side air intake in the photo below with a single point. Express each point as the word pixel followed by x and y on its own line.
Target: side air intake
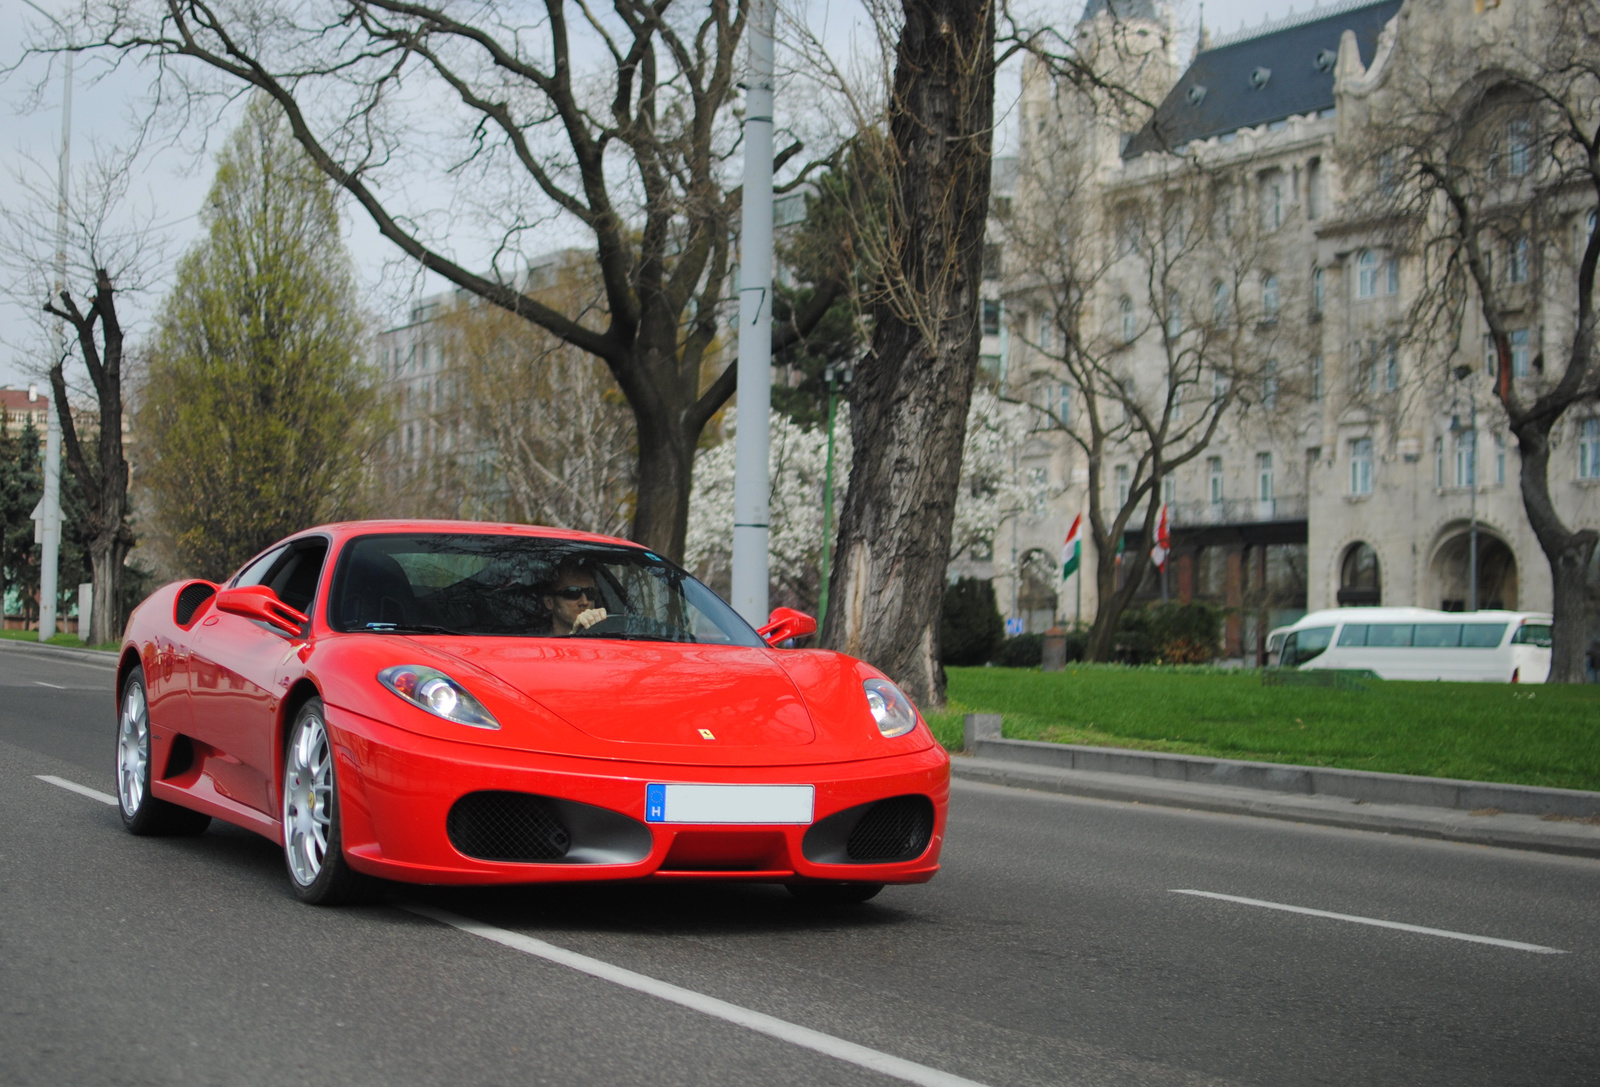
pixel 495 826
pixel 190 597
pixel 883 832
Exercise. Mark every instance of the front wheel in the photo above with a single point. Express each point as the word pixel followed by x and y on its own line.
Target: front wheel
pixel 142 813
pixel 318 871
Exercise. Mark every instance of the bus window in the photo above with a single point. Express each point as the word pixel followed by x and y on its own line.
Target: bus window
pixel 1304 645
pixel 1437 635
pixel 1353 634
pixel 1482 635
pixel 1532 634
pixel 1389 635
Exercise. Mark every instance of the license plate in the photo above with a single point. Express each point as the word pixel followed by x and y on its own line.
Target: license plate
pixel 729 803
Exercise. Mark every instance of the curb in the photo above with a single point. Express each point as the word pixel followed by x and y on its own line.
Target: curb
pixel 101 657
pixel 1508 831
pixel 1482 813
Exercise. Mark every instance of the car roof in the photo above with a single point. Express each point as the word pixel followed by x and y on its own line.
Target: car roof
pixel 344 530
pixel 1401 615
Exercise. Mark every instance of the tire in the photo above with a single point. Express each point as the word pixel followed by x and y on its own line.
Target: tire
pixel 142 813
pixel 312 847
pixel 833 894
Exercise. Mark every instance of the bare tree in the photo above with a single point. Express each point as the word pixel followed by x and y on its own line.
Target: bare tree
pixel 113 248
pixel 1145 303
pixel 1485 168
pixel 635 155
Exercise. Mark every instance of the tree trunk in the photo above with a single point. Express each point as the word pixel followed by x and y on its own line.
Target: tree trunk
pixel 1568 553
pixel 105 562
pixel 909 401
pixel 1111 601
pixel 666 464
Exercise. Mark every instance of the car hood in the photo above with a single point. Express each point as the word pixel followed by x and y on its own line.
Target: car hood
pixel 657 693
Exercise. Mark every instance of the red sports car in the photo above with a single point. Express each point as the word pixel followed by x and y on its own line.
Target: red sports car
pixel 457 702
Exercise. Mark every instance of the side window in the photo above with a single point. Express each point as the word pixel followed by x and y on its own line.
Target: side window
pixel 256 572
pixel 294 580
pixel 1532 634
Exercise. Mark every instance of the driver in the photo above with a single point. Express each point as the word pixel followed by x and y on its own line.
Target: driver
pixel 574 601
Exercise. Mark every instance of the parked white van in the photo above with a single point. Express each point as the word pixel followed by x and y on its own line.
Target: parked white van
pixel 1416 643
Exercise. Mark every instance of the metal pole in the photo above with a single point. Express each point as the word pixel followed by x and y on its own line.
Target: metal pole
pixel 50 521
pixel 1472 478
pixel 827 501
pixel 1077 609
pixel 751 485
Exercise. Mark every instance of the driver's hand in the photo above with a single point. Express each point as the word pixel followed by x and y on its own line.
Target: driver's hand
pixel 587 619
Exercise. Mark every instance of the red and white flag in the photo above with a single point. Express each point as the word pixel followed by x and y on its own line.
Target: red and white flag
pixel 1163 547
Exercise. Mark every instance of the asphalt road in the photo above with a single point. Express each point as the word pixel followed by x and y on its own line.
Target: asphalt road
pixel 1052 949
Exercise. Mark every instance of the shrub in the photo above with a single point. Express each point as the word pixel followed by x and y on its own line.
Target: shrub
pixel 1022 651
pixel 1170 634
pixel 971 625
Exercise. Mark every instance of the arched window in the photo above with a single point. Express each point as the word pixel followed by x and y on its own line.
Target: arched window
pixel 1359 582
pixel 1366 274
pixel 1269 298
pixel 1130 327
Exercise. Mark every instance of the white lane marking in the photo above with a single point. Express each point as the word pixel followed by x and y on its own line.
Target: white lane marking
pixel 1469 937
pixel 55 686
pixel 781 1029
pixel 81 790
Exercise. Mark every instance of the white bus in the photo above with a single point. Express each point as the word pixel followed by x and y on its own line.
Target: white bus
pixel 1416 643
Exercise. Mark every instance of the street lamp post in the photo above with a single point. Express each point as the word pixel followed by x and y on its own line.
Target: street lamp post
pixel 837 378
pixel 1463 373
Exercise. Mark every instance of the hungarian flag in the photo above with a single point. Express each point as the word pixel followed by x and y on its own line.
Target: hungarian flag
pixel 1071 549
pixel 1163 547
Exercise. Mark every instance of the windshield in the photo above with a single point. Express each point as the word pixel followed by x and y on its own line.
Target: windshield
pixel 525 587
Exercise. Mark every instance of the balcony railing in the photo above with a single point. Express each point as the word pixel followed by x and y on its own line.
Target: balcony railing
pixel 1239 511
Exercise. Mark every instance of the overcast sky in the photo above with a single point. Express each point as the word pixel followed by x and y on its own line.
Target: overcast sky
pixel 173 184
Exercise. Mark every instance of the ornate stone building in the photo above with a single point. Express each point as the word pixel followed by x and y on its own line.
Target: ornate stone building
pixel 1224 244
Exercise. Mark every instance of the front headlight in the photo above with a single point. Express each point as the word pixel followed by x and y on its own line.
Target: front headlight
pixel 890 708
pixel 437 693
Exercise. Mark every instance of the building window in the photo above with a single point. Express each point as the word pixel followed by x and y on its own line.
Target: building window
pixel 1130 327
pixel 1361 466
pixel 1491 356
pixel 1589 449
pixel 1319 291
pixel 1174 315
pixel 1519 148
pixel 1366 274
pixel 1064 406
pixel 1466 459
pixel 991 317
pixel 991 261
pixel 1123 483
pixel 1438 463
pixel 1214 472
pixel 1359 582
pixel 1046 333
pixel 1316 377
pixel 1219 385
pixel 1269 298
pixel 1169 489
pixel 1314 189
pixel 1519 352
pixel 1219 304
pixel 1272 201
pixel 1269 385
pixel 1517 264
pixel 1391 368
pixel 1392 276
pixel 1264 477
pixel 1499 458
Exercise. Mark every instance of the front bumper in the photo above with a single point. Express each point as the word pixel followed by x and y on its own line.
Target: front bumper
pixel 396 789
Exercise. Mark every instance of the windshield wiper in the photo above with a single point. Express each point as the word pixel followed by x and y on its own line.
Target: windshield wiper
pixel 408 628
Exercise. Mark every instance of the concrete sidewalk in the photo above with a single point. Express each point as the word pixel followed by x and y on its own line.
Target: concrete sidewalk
pixel 1483 813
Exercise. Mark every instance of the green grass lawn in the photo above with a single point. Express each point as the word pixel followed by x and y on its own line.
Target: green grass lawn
pixel 1530 735
pixel 63 638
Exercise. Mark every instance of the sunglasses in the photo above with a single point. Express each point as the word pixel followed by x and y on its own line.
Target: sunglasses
pixel 577 592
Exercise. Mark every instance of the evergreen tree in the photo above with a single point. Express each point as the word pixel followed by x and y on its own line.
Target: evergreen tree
pixel 258 410
pixel 21 487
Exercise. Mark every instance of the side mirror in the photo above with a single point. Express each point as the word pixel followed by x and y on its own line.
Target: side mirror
pixel 786 623
pixel 262 604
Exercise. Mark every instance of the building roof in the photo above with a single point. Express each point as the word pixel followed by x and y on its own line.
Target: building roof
pixel 1121 9
pixel 17 400
pixel 1281 70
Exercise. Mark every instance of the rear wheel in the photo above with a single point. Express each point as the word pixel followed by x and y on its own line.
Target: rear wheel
pixel 318 871
pixel 142 813
pixel 834 894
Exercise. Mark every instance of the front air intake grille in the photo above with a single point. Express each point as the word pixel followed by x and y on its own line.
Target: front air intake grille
pixel 496 826
pixel 897 829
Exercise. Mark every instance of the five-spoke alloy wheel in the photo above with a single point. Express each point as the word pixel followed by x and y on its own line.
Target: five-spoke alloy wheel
pixel 318 871
pixel 141 812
